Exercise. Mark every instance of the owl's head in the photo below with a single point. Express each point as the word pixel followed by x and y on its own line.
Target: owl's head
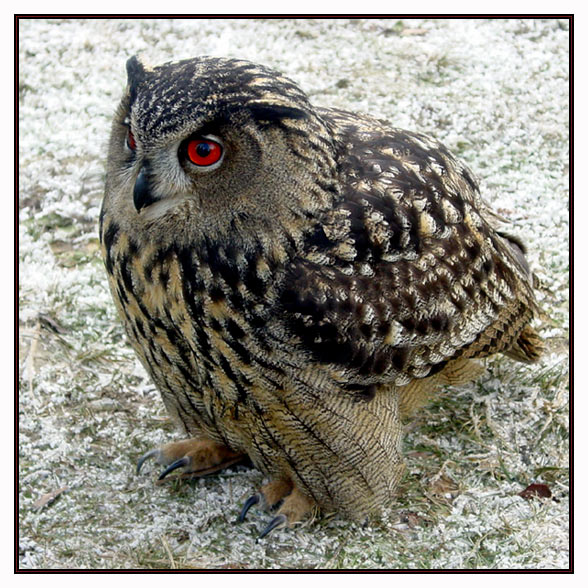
pixel 211 145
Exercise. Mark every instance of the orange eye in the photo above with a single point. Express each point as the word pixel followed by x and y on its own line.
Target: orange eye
pixel 204 152
pixel 131 143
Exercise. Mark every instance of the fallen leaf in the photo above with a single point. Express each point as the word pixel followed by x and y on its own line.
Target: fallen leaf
pixel 59 246
pixel 49 497
pixel 444 486
pixel 50 323
pixel 412 519
pixel 536 491
pixel 419 454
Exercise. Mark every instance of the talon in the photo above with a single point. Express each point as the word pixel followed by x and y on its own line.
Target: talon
pixel 180 463
pixel 252 500
pixel 145 457
pixel 278 521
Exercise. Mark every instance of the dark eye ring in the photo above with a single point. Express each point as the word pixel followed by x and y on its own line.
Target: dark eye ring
pixel 131 143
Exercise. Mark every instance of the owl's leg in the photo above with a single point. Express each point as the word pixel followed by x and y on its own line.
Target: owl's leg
pixel 268 496
pixel 198 457
pixel 295 506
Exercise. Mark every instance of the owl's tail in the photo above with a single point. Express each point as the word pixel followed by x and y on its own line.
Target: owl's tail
pixel 529 346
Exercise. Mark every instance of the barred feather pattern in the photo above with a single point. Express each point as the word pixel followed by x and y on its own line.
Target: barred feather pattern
pixel 294 303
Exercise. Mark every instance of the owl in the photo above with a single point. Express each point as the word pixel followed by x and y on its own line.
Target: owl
pixel 298 280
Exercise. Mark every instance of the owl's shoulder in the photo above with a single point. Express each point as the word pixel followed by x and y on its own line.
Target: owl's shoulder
pixel 374 150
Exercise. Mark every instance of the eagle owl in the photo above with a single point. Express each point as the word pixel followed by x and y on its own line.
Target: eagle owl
pixel 296 280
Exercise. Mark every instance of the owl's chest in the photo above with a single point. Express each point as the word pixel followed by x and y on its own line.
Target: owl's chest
pixel 196 322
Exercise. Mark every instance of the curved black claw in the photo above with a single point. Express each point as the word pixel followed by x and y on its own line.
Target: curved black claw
pixel 145 457
pixel 278 521
pixel 180 463
pixel 255 499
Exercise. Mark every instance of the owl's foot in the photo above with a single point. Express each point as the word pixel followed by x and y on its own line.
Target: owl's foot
pixel 294 507
pixel 198 457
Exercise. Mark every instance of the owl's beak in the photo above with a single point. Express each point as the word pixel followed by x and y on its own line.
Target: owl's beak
pixel 142 195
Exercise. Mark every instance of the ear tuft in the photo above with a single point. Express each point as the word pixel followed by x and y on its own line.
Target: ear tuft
pixel 135 75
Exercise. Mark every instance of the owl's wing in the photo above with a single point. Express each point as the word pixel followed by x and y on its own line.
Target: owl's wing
pixel 407 271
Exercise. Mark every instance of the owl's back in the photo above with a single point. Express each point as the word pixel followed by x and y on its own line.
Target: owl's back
pixel 407 271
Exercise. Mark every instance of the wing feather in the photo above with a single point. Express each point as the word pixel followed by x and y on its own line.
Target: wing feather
pixel 407 271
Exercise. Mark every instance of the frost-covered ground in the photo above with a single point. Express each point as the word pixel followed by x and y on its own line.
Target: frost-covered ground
pixel 496 93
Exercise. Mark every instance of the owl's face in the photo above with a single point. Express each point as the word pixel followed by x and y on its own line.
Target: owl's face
pixel 229 145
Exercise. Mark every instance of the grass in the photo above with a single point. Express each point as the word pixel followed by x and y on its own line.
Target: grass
pixel 87 410
pixel 468 455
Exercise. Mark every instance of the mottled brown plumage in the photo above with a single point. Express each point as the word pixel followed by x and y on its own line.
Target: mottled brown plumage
pixel 295 298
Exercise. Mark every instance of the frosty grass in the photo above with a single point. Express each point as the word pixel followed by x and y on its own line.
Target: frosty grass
pixel 496 93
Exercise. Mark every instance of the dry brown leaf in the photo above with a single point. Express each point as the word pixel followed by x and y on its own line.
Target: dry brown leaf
pixel 49 497
pixel 443 485
pixel 412 519
pixel 419 454
pixel 536 491
pixel 50 323
pixel 59 246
